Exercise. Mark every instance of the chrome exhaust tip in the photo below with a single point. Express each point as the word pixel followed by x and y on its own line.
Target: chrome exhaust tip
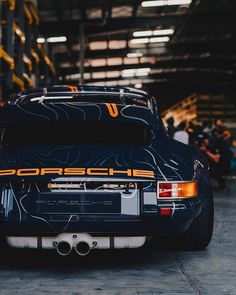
pixel 64 248
pixel 82 248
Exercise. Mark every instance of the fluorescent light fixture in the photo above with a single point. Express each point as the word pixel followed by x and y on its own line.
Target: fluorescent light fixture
pixel 150 40
pixel 163 32
pixel 143 72
pixel 165 3
pixel 128 73
pixel 135 54
pixel 135 72
pixel 153 33
pixel 57 39
pixel 140 41
pixel 41 40
pixel 159 39
pixel 142 33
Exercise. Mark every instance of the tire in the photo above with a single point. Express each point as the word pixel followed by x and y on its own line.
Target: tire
pixel 199 234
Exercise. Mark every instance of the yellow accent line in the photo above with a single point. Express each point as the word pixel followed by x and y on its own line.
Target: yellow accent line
pixel 12 4
pixel 28 14
pixel 112 109
pixel 19 32
pixel 28 79
pixel 35 15
pixel 28 62
pixel 35 55
pixel 47 59
pixel 19 82
pixel 7 58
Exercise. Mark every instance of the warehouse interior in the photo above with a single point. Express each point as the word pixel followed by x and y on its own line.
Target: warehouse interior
pixel 172 48
pixel 182 52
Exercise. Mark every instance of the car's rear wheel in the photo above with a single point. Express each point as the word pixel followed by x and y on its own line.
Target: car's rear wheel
pixel 199 234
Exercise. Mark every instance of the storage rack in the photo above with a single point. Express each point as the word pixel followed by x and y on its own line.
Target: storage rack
pixel 23 62
pixel 203 108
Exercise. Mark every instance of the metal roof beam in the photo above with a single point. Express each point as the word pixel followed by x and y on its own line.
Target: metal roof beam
pixel 71 27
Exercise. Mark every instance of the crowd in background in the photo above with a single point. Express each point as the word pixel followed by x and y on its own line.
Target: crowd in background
pixel 214 140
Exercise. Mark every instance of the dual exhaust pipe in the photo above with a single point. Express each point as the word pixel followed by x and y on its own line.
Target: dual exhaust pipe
pixel 66 243
pixel 64 248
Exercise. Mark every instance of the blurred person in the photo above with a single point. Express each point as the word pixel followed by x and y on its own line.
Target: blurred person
pixel 224 144
pixel 219 155
pixel 170 127
pixel 213 155
pixel 233 150
pixel 198 135
pixel 181 134
pixel 191 132
pixel 207 127
pixel 218 124
pixel 1 103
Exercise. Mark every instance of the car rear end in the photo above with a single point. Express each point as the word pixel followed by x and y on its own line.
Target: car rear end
pixel 88 176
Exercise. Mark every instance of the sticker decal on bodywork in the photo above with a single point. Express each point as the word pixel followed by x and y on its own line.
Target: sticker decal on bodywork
pixel 112 109
pixel 78 171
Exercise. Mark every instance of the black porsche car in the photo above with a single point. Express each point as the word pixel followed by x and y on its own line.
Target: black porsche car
pixel 91 167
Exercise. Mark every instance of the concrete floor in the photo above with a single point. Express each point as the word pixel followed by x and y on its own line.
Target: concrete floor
pixel 141 271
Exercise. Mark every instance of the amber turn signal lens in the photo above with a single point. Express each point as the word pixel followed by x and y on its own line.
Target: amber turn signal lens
pixel 184 189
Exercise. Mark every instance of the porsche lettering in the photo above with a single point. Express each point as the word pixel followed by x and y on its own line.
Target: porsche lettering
pixel 77 172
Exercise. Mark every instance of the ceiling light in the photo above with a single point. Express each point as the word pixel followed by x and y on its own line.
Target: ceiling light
pixel 150 40
pixel 128 73
pixel 113 74
pixel 57 39
pixel 140 41
pixel 165 3
pixel 159 39
pixel 163 32
pixel 135 54
pixel 142 33
pixel 125 74
pixel 135 72
pixel 98 45
pixel 143 72
pixel 41 40
pixel 153 33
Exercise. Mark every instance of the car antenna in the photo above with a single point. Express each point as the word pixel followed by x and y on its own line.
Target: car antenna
pixel 44 95
pixel 122 96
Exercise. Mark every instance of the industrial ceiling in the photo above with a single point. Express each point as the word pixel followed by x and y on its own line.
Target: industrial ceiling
pixel 170 47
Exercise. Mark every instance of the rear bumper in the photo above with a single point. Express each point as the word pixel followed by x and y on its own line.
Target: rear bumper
pixel 149 223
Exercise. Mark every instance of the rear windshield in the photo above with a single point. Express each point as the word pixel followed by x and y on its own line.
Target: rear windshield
pixel 66 133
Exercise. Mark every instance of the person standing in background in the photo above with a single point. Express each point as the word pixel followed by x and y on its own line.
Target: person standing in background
pixel 170 127
pixel 233 160
pixel 181 134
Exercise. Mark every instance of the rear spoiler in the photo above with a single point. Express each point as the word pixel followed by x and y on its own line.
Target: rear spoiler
pixel 71 111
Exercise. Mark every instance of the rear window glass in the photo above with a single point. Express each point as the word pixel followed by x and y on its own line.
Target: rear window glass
pixel 66 133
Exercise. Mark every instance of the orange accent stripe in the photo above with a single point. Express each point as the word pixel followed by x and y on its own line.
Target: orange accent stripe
pixel 73 88
pixel 112 109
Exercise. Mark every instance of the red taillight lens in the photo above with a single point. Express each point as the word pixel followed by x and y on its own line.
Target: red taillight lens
pixel 165 190
pixel 178 190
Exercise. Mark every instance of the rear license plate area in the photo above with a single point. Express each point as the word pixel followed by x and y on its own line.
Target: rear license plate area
pixel 78 203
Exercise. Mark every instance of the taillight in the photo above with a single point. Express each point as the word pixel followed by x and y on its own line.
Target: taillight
pixel 171 190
